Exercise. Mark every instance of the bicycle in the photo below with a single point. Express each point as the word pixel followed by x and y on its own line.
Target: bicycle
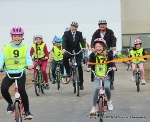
pixel 138 76
pixel 74 71
pixel 58 74
pixel 39 83
pixel 101 101
pixel 17 104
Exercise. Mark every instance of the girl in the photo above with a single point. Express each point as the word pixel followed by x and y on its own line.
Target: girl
pixel 16 56
pixel 39 49
pixel 138 51
pixel 98 56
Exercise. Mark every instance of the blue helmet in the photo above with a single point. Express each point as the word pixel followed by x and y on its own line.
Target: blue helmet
pixel 58 40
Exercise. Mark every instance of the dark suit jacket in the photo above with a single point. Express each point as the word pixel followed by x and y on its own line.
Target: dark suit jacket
pixel 68 43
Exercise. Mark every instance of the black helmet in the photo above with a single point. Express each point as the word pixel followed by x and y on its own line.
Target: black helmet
pixel 102 22
pixel 74 24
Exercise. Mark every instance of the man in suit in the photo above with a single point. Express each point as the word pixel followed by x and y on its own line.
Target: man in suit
pixel 71 41
pixel 109 37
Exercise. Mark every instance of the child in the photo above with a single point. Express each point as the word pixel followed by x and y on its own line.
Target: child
pixel 16 56
pixel 56 53
pixel 39 50
pixel 138 51
pixel 100 55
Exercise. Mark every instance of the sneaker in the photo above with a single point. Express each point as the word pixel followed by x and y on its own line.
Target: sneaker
pixel 10 109
pixel 111 87
pixel 110 106
pixel 133 79
pixel 47 86
pixel 28 115
pixel 143 82
pixel 93 112
pixel 81 86
pixel 53 80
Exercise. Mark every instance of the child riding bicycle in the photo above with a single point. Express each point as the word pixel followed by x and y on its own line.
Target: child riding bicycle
pixel 39 50
pixel 135 52
pixel 15 56
pixel 100 55
pixel 56 53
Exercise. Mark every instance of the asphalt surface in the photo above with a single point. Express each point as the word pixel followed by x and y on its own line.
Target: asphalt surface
pixel 64 106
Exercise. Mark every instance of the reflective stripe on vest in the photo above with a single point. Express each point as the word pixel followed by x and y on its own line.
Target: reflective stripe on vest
pixel 137 53
pixel 15 57
pixel 57 54
pixel 100 69
pixel 40 50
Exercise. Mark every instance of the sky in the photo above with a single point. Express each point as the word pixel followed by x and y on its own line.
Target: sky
pixel 50 17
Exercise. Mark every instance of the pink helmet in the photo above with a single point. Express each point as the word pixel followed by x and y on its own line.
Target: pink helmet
pixel 16 31
pixel 137 41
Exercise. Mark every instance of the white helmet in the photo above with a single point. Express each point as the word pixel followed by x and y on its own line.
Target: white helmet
pixel 38 36
pixel 102 22
pixel 74 24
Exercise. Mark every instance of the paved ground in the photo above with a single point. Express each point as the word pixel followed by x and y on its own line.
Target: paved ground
pixel 64 106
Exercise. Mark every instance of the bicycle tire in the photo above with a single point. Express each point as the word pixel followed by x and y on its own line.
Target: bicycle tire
pixel 137 83
pixel 58 80
pixel 42 84
pixel 76 77
pixel 37 84
pixel 17 111
pixel 50 73
pixel 101 109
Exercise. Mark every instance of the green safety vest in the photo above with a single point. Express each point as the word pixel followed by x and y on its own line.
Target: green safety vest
pixel 57 54
pixel 86 45
pixel 137 53
pixel 100 69
pixel 39 52
pixel 15 57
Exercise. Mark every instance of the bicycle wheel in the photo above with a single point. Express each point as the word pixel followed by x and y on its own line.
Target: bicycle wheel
pixel 37 84
pixel 42 84
pixel 137 82
pixel 58 79
pixel 50 72
pixel 17 112
pixel 101 113
pixel 76 81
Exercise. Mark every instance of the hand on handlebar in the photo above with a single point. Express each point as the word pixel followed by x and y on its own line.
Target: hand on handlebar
pixel 63 51
pixel 114 68
pixel 30 67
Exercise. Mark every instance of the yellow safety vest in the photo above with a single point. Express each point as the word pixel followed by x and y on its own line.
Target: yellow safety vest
pixel 100 69
pixel 39 52
pixel 137 53
pixel 57 54
pixel 15 57
pixel 86 45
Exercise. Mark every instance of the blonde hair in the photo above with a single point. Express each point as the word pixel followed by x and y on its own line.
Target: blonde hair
pixel 104 52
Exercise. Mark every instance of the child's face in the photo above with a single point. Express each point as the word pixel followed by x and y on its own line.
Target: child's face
pixel 57 44
pixel 137 46
pixel 98 48
pixel 38 40
pixel 17 39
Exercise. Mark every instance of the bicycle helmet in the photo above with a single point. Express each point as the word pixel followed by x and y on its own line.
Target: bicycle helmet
pixel 67 29
pixel 58 40
pixel 137 41
pixel 100 40
pixel 17 31
pixel 102 22
pixel 38 36
pixel 74 24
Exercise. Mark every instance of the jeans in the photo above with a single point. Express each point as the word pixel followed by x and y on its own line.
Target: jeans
pixel 84 53
pixel 54 65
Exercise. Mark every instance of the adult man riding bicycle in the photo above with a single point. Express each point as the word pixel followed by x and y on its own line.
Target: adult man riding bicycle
pixel 109 37
pixel 71 40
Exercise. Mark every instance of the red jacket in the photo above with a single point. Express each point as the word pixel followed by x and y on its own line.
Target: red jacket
pixel 45 51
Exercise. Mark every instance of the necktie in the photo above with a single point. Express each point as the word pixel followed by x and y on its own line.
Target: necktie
pixel 73 34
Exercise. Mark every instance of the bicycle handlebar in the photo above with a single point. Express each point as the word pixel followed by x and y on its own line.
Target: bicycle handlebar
pixel 109 69
pixel 74 53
